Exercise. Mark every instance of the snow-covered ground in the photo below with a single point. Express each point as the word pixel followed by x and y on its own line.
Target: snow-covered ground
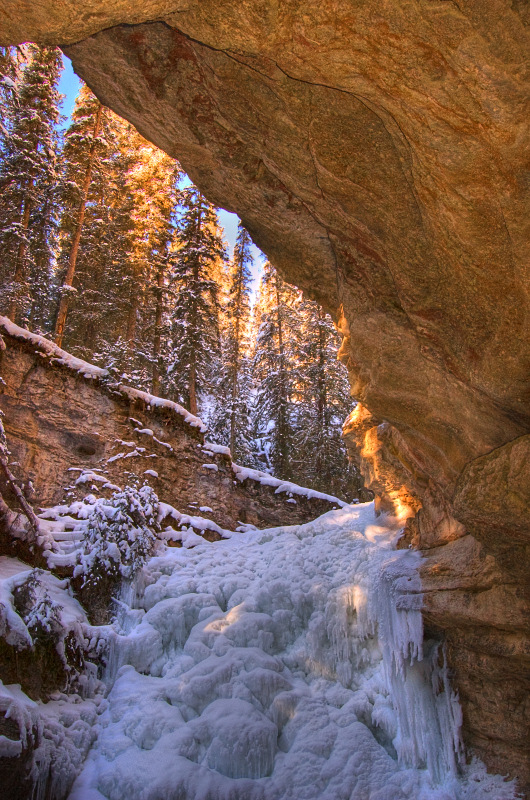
pixel 58 733
pixel 283 664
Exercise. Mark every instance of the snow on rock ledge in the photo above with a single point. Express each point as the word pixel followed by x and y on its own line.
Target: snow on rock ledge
pixel 51 351
pixel 90 371
pixel 74 433
pixel 263 478
pixel 159 402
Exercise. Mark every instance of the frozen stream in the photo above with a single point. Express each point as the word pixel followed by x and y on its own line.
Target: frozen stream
pixel 283 664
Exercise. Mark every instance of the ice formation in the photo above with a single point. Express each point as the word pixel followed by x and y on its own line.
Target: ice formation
pixel 283 664
pixel 53 737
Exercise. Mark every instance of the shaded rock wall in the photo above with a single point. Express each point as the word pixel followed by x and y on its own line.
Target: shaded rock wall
pixel 56 420
pixel 378 153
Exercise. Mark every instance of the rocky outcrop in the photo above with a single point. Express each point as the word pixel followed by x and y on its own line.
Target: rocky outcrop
pixel 474 576
pixel 72 430
pixel 377 152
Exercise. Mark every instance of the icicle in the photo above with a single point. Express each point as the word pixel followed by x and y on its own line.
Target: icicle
pixel 428 712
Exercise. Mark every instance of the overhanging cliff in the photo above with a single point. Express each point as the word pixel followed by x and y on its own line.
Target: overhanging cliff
pixel 377 152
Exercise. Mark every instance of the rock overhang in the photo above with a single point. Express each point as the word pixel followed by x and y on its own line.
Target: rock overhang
pixel 376 152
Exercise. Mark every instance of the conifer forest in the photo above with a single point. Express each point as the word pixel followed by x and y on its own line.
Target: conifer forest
pixel 110 251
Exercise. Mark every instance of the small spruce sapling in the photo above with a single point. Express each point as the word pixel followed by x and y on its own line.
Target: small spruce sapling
pixel 41 615
pixel 119 537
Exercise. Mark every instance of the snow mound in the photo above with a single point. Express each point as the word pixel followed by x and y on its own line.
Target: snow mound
pixel 218 449
pixel 282 663
pixel 189 522
pixel 58 735
pixel 16 631
pixel 54 736
pixel 62 528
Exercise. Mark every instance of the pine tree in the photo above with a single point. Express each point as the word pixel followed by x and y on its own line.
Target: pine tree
pixel 231 422
pixel 9 73
pixel 195 316
pixel 97 234
pixel 86 145
pixel 319 458
pixel 104 261
pixel 28 177
pixel 152 180
pixel 275 371
pixel 119 204
pixel 302 391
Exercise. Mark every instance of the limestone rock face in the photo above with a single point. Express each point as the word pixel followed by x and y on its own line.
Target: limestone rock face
pixel 492 492
pixel 60 424
pixel 378 153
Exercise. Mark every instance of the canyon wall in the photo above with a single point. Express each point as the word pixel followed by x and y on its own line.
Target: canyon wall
pixel 378 153
pixel 71 431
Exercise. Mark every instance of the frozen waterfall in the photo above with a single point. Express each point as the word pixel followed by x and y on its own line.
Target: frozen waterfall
pixel 284 664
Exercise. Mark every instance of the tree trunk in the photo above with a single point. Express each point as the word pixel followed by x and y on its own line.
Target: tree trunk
pixel 282 421
pixel 235 369
pixel 192 392
pixel 132 315
pixel 322 399
pixel 159 310
pixel 72 258
pixel 11 481
pixel 21 256
pixel 192 389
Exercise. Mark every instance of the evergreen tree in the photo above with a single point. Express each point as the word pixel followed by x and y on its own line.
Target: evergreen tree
pixel 28 177
pixel 152 179
pixel 301 390
pixel 86 156
pixel 104 263
pixel 9 70
pixel 97 234
pixel 143 274
pixel 195 343
pixel 319 457
pixel 117 225
pixel 231 422
pixel 275 371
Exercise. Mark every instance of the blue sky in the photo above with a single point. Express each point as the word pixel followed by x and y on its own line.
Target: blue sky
pixel 69 87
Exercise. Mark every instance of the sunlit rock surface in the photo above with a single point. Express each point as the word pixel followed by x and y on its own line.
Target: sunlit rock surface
pixel 376 151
